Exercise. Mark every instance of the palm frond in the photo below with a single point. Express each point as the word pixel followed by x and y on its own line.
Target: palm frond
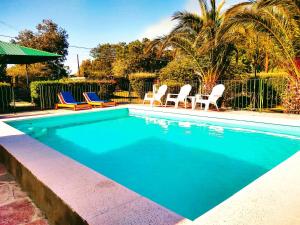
pixel 236 9
pixel 264 25
pixel 204 9
pixel 187 20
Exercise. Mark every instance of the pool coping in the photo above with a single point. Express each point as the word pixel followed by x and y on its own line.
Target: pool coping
pixel 99 200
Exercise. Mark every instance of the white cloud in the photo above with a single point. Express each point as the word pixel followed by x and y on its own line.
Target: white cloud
pixel 192 6
pixel 165 25
pixel 160 28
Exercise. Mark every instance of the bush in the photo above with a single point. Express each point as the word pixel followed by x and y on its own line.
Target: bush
pixel 291 97
pixel 180 69
pixel 173 85
pixel 44 93
pixel 141 83
pixel 5 96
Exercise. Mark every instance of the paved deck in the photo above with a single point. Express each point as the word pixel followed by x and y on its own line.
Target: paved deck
pixel 15 206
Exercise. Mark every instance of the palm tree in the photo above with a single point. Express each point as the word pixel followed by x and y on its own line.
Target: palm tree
pixel 275 20
pixel 196 36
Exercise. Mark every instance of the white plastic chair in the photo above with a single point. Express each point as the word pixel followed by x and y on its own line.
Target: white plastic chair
pixel 215 94
pixel 181 97
pixel 156 96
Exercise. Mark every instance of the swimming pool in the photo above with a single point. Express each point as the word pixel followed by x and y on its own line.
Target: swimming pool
pixel 187 165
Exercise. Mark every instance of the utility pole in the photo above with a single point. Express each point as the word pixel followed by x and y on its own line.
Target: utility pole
pixel 78 65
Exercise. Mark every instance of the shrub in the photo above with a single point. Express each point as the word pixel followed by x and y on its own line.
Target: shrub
pixel 173 85
pixel 5 97
pixel 141 83
pixel 181 69
pixel 44 93
pixel 291 97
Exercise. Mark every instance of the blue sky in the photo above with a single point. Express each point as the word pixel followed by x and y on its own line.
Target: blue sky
pixel 90 22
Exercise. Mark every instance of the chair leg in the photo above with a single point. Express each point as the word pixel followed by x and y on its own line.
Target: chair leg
pixel 176 104
pixel 217 106
pixel 151 103
pixel 166 103
pixel 195 105
pixel 206 106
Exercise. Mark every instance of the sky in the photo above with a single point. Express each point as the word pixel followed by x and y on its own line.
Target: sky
pixel 92 22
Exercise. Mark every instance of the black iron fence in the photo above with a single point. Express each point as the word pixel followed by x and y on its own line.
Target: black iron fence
pixel 249 94
pixel 6 97
pixel 255 94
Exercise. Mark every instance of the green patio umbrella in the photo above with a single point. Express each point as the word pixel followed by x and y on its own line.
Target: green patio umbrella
pixel 17 54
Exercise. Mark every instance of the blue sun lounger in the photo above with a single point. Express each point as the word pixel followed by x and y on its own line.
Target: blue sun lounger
pixel 93 99
pixel 67 100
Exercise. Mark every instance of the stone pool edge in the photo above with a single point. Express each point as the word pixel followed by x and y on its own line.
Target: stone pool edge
pixel 76 194
pixel 257 203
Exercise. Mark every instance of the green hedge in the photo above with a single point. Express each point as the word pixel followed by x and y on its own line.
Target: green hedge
pixel 44 93
pixel 141 83
pixel 5 97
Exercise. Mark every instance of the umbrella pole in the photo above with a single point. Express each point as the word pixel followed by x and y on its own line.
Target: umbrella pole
pixel 27 79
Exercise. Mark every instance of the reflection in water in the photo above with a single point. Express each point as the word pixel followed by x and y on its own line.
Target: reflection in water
pixel 216 131
pixel 161 122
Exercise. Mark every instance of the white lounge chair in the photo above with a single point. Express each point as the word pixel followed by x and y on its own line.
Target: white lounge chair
pixel 156 96
pixel 215 94
pixel 181 97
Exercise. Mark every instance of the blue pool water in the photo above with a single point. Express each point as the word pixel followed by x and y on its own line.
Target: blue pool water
pixel 188 166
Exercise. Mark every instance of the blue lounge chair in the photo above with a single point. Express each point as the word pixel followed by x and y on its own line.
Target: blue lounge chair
pixel 67 100
pixel 93 99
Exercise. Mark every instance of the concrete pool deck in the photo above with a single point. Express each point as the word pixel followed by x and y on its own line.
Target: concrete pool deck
pixel 274 198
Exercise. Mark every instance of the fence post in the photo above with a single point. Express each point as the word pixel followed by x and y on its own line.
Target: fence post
pixel 129 93
pixel 261 98
pixel 41 96
pixel 13 98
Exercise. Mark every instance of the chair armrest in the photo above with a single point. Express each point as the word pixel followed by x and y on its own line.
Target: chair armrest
pixel 200 96
pixel 147 95
pixel 169 94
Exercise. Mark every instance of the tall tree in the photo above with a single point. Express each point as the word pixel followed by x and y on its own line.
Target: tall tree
pixel 122 59
pixel 275 20
pixel 196 36
pixel 48 37
pixel 104 56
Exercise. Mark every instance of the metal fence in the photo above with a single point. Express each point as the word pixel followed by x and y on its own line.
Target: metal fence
pixel 249 94
pixel 255 94
pixel 6 97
